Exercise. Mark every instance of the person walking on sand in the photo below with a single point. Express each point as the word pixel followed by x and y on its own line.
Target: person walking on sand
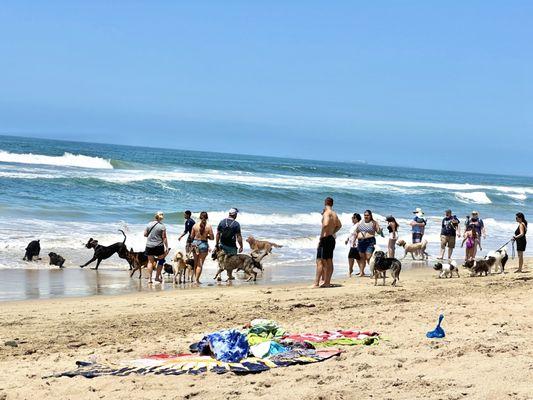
pixel 189 223
pixel 366 239
pixel 156 245
pixel 477 223
pixel 472 242
pixel 229 233
pixel 520 239
pixel 392 227
pixel 201 233
pixel 450 229
pixel 326 244
pixel 353 254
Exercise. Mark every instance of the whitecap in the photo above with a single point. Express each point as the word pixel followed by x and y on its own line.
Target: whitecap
pixel 473 197
pixel 66 160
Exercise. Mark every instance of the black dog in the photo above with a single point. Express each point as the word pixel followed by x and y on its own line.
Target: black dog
pixel 32 250
pixel 380 266
pixel 56 259
pixel 478 267
pixel 104 252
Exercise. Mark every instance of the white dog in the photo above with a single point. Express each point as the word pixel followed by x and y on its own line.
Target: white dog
pixel 501 257
pixel 447 269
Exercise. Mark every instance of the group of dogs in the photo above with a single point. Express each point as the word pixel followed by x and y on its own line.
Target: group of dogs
pixel 494 262
pixel 181 268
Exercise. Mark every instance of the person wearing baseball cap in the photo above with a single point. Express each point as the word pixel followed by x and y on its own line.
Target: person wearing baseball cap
pixel 229 233
pixel 450 228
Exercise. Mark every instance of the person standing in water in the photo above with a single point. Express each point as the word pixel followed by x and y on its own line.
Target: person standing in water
pixel 229 233
pixel 201 233
pixel 326 244
pixel 189 223
pixel 392 227
pixel 366 239
pixel 156 245
pixel 520 239
pixel 450 228
pixel 353 254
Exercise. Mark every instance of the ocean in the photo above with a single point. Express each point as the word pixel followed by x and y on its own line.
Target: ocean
pixel 65 192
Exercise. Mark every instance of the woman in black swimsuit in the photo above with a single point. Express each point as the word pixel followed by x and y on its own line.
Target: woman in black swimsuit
pixel 520 239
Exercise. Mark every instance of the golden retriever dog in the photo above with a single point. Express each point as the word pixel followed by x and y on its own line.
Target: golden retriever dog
pixel 414 248
pixel 260 246
pixel 182 270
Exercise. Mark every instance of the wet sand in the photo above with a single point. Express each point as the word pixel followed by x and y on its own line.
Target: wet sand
pixel 486 354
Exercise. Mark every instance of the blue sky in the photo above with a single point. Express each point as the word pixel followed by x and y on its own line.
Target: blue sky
pixel 414 83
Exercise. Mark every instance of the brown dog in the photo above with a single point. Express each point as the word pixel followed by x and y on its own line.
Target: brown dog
pixel 137 260
pixel 418 248
pixel 259 246
pixel 183 270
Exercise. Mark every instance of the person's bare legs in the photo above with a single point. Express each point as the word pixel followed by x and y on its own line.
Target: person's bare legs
pixel 198 265
pixel 350 266
pixel 158 270
pixel 328 272
pixel 392 248
pixel 442 249
pixel 150 268
pixel 362 264
pixel 450 252
pixel 520 261
pixel 319 272
pixel 367 257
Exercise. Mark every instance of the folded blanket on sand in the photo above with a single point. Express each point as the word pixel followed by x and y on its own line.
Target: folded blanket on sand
pixel 341 337
pixel 162 364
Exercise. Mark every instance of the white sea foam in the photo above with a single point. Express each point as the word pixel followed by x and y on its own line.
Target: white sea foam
pixel 66 160
pixel 473 197
pixel 520 197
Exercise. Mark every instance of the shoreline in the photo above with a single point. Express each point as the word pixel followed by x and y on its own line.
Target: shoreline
pixel 19 285
pixel 483 334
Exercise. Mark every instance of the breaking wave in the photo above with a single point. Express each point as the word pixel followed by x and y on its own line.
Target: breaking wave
pixel 66 160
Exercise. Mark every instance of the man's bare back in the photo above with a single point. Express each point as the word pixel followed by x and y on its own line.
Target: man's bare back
pixel 330 223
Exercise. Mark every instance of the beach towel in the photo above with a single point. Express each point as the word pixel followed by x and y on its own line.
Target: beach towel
pixel 227 346
pixel 193 365
pixel 329 336
pixel 266 349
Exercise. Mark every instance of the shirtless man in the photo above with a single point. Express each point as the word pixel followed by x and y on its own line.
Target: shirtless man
pixel 324 256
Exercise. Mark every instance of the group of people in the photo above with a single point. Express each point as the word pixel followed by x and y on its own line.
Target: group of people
pixel 198 236
pixel 362 238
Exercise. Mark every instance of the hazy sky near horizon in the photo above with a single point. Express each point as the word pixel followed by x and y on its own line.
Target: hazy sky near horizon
pixel 414 83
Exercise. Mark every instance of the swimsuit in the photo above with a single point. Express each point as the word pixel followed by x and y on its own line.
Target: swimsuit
pixel 202 245
pixel 326 245
pixel 366 245
pixel 521 241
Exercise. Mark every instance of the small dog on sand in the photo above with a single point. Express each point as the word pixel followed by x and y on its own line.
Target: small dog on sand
pixel 380 264
pixel 446 269
pixel 501 257
pixel 182 270
pixel 478 267
pixel 56 259
pixel 414 248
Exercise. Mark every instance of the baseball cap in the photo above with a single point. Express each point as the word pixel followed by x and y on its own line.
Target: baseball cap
pixel 475 212
pixel 233 211
pixel 418 210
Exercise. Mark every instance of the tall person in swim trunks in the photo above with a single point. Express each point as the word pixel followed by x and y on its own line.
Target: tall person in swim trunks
pixel 366 239
pixel 324 255
pixel 201 233
pixel 156 245
pixel 189 223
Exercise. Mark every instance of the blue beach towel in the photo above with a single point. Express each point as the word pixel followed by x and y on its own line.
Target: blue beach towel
pixel 227 346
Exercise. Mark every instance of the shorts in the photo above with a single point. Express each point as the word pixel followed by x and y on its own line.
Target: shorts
pixel 354 253
pixel 366 245
pixel 155 251
pixel 417 237
pixel 201 245
pixel 228 250
pixel 326 245
pixel 521 244
pixel 447 241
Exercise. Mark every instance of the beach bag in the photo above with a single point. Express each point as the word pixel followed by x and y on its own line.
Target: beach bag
pixel 227 237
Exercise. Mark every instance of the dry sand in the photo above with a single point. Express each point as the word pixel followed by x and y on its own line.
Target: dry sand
pixel 487 353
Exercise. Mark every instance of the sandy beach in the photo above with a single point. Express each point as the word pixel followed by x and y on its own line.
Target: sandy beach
pixel 486 354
